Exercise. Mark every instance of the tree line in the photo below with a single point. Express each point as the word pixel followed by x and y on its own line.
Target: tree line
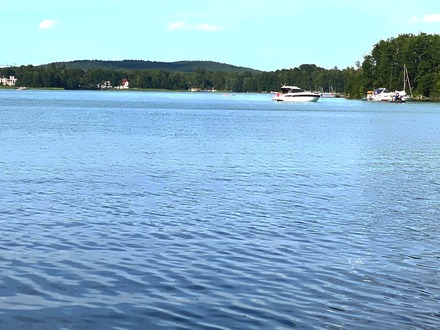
pixel 179 66
pixel 308 75
pixel 385 65
pixel 382 68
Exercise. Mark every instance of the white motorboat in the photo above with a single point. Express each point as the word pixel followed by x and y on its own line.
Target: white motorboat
pixel 380 95
pixel 295 94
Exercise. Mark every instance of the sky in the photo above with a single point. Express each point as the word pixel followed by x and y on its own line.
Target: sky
pixel 259 34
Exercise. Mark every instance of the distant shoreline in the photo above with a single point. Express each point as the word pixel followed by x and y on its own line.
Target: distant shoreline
pixel 415 100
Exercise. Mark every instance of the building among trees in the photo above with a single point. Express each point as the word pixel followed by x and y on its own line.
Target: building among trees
pixel 8 81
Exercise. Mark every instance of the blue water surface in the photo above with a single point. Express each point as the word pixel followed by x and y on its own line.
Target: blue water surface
pixel 145 210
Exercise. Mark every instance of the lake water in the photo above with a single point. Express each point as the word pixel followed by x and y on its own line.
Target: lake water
pixel 136 210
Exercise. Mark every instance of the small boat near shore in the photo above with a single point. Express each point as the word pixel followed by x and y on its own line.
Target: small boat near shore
pixel 402 94
pixel 383 95
pixel 295 94
pixel 330 94
pixel 380 95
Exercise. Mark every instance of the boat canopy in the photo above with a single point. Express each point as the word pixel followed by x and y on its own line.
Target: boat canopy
pixel 381 90
pixel 291 89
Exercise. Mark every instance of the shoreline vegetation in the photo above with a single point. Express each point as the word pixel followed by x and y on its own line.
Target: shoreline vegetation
pixel 384 67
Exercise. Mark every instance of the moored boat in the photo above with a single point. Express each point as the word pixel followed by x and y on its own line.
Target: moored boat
pixel 329 94
pixel 380 95
pixel 402 94
pixel 295 94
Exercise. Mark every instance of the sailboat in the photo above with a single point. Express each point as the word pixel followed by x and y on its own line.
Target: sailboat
pixel 402 94
pixel 328 94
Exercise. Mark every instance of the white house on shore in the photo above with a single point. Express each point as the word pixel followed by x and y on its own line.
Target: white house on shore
pixel 8 81
pixel 124 84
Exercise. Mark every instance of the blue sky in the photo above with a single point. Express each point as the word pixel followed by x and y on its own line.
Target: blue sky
pixel 260 34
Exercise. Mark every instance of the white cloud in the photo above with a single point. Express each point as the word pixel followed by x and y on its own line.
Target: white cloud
pixel 433 18
pixel 175 26
pixel 194 27
pixel 48 24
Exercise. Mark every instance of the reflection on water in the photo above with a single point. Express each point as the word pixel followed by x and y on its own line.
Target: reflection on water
pixel 207 211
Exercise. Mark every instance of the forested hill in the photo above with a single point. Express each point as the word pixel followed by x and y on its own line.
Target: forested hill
pixel 418 55
pixel 180 66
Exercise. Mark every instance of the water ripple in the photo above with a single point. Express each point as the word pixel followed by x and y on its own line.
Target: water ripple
pixel 194 216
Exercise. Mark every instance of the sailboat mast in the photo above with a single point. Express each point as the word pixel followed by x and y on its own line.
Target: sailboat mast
pixel 404 77
pixel 405 72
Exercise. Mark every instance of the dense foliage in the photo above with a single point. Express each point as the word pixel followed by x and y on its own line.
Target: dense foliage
pixel 307 76
pixel 382 68
pixel 137 65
